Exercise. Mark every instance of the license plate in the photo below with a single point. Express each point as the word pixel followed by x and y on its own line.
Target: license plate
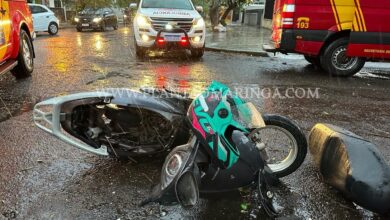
pixel 172 38
pixel 85 25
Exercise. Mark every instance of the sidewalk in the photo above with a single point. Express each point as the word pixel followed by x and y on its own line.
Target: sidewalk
pixel 239 39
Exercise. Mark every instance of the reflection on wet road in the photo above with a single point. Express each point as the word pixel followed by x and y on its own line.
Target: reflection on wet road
pixel 42 178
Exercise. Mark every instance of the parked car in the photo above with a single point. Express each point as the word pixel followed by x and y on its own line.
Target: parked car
pixel 16 36
pixel 169 24
pixel 96 18
pixel 44 19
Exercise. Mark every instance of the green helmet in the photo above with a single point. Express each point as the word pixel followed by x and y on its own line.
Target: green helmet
pixel 213 118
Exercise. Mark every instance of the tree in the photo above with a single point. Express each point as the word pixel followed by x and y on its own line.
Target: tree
pixel 125 3
pixel 215 7
pixel 81 4
pixel 214 12
pixel 231 4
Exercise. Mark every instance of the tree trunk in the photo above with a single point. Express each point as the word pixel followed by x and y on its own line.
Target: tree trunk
pixel 231 5
pixel 214 13
pixel 226 13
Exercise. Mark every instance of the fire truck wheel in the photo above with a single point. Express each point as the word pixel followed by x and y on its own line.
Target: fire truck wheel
pixel 313 60
pixel 336 62
pixel 25 58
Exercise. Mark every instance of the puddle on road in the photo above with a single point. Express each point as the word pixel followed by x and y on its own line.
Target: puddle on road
pixel 110 75
pixel 372 75
pixel 14 106
pixel 161 74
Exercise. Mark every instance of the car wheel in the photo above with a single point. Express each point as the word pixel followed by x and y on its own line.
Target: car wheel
pixel 336 62
pixel 197 53
pixel 103 26
pixel 79 29
pixel 115 26
pixel 53 28
pixel 25 57
pixel 139 51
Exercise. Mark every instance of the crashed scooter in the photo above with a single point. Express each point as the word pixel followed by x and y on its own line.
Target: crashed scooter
pixel 123 123
pixel 223 155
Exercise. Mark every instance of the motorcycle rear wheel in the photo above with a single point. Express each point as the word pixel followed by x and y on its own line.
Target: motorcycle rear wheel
pixel 297 148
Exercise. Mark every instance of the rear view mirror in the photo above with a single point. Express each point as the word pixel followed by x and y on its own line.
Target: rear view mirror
pixel 187 191
pixel 199 9
pixel 133 6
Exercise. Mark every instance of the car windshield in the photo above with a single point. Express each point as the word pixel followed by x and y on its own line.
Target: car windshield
pixel 172 4
pixel 91 11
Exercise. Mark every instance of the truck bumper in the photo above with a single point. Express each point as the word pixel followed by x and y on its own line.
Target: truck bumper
pixel 152 35
pixel 270 48
pixel 287 43
pixel 91 25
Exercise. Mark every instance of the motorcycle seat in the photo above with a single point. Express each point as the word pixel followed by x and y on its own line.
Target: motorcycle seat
pixel 352 165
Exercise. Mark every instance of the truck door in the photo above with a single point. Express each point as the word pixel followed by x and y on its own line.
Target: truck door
pixel 370 35
pixel 5 30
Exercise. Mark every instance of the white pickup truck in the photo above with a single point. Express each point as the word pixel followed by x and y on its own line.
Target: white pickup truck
pixel 169 25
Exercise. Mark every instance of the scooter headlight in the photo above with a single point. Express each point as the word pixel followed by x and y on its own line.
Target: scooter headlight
pixel 172 167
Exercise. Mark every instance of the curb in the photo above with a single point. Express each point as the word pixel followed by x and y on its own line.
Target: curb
pixel 66 26
pixel 250 53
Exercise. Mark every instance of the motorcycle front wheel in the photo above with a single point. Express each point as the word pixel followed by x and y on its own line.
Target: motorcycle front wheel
pixel 285 144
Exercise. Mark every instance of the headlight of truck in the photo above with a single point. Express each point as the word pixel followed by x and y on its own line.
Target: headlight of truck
pixel 76 19
pixel 199 23
pixel 142 21
pixel 97 20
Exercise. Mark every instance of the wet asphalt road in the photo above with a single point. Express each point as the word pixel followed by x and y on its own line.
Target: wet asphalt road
pixel 43 178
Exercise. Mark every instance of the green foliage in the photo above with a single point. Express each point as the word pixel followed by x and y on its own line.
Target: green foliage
pixel 203 3
pixel 200 2
pixel 81 4
pixel 125 3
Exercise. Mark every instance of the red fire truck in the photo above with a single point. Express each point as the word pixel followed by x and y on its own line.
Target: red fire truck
pixel 16 35
pixel 337 35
